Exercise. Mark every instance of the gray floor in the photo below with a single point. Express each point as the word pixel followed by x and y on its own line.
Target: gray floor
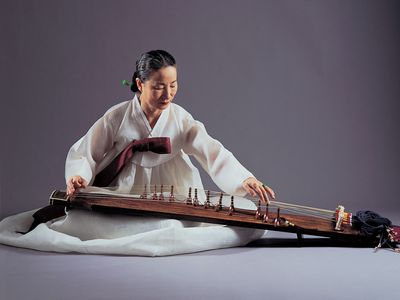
pixel 271 269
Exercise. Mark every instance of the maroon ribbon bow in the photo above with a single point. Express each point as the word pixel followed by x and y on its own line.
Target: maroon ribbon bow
pixel 160 145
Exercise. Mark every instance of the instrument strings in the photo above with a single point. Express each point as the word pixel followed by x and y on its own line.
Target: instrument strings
pixel 154 191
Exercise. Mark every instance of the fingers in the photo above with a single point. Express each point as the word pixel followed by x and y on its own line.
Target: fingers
pixel 249 190
pixel 260 191
pixel 78 182
pixel 70 187
pixel 254 188
pixel 257 188
pixel 74 183
pixel 269 191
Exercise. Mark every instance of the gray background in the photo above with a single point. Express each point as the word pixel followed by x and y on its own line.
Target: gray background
pixel 304 93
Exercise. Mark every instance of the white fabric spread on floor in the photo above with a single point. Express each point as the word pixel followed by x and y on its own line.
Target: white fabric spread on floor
pixel 98 233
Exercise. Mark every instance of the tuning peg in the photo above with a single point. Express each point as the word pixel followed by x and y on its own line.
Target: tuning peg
pixel 232 207
pixel 171 195
pixel 258 211
pixel 207 204
pixel 161 196
pixel 155 193
pixel 277 220
pixel 144 194
pixel 266 217
pixel 195 200
pixel 189 198
pixel 219 206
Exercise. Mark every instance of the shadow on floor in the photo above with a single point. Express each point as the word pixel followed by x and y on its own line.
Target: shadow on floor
pixel 307 242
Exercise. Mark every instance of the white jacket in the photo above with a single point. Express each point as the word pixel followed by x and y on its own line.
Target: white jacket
pixel 125 122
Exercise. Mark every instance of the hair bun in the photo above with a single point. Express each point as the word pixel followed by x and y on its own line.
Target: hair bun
pixel 133 86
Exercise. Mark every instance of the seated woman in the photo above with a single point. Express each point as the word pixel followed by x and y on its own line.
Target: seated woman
pixel 151 113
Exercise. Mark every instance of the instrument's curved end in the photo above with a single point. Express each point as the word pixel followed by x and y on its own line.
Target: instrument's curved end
pixel 51 198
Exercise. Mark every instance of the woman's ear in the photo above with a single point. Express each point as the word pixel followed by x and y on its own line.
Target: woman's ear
pixel 139 84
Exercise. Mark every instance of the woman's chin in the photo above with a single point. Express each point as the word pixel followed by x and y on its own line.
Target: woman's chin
pixel 164 104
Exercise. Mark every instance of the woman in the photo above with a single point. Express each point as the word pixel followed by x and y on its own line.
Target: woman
pixel 151 113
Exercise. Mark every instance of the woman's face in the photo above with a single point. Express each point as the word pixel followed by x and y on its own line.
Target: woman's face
pixel 159 90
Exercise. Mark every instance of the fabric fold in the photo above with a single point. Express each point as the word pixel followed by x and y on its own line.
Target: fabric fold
pixel 97 233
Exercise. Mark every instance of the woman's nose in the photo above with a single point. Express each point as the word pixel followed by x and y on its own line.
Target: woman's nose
pixel 169 92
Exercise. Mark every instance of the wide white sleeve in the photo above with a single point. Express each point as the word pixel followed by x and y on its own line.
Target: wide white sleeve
pixel 222 166
pixel 85 155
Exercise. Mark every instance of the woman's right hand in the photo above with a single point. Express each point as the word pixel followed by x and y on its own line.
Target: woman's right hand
pixel 74 183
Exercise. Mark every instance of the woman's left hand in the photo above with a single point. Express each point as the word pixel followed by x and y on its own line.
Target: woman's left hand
pixel 256 188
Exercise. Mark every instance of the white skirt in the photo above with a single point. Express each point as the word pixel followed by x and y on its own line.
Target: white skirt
pixel 99 233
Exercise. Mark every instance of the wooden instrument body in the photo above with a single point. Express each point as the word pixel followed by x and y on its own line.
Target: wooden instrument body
pixel 297 224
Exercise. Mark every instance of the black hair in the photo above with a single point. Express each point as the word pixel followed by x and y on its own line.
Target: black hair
pixel 148 63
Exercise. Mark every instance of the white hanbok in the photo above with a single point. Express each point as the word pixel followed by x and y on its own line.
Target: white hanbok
pixel 126 122
pixel 89 232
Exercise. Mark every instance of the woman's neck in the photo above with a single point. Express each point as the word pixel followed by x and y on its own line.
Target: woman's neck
pixel 152 115
pixel 152 118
